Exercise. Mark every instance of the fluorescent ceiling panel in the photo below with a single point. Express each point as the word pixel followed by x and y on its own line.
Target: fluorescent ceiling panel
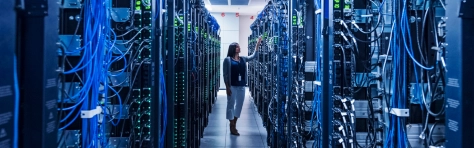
pixel 239 2
pixel 219 2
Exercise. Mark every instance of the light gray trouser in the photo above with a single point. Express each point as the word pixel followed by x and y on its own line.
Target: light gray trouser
pixel 235 102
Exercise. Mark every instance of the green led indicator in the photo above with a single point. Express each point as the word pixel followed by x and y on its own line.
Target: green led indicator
pixel 138 3
pixel 337 1
pixel 137 8
pixel 347 6
pixel 337 6
pixel 148 7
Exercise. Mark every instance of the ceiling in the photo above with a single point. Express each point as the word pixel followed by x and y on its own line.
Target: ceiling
pixel 243 7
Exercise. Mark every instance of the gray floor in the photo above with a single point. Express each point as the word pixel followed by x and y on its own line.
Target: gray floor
pixel 217 134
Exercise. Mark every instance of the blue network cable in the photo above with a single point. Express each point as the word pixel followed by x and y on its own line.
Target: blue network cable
pixel 97 29
pixel 68 115
pixel 17 102
pixel 282 80
pixel 78 67
pixel 74 51
pixel 111 47
pixel 398 99
pixel 392 119
pixel 72 121
pixel 94 63
pixel 84 89
pixel 405 27
pixel 81 93
pixel 120 104
pixel 165 106
pixel 316 107
pixel 316 90
pixel 105 73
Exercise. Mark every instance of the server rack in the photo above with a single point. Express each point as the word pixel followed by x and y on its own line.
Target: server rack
pixel 458 92
pixel 7 83
pixel 37 73
pixel 193 46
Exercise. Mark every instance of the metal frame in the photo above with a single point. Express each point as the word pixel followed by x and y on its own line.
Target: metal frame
pixel 155 77
pixel 459 92
pixel 327 58
pixel 170 76
pixel 38 57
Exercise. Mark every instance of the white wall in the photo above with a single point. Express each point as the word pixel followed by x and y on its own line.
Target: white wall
pixel 244 33
pixel 229 25
pixel 233 29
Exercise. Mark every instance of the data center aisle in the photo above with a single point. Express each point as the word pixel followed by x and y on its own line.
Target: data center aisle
pixel 217 134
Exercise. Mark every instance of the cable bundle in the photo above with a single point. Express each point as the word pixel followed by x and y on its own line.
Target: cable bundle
pixel 97 28
pixel 316 114
pixel 400 46
pixel 284 68
pixel 164 97
pixel 96 59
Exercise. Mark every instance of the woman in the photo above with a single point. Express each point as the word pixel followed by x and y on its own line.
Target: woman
pixel 235 79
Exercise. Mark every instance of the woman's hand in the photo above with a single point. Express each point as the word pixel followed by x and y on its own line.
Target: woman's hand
pixel 228 92
pixel 258 43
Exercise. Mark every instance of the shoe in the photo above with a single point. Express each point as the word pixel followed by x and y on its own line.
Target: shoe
pixel 233 130
pixel 231 125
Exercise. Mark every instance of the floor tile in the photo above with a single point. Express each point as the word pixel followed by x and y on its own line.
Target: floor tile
pixel 217 116
pixel 264 137
pixel 248 131
pixel 240 123
pixel 217 111
pixel 244 147
pixel 250 127
pixel 248 111
pixel 213 141
pixel 243 141
pixel 221 105
pixel 222 115
pixel 259 120
pixel 215 131
pixel 217 123
pixel 246 116
pixel 247 123
pixel 221 100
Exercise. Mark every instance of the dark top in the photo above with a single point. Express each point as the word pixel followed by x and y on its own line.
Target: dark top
pixel 238 69
pixel 227 67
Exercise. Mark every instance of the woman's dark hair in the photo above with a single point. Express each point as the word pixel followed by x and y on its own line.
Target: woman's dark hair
pixel 232 48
